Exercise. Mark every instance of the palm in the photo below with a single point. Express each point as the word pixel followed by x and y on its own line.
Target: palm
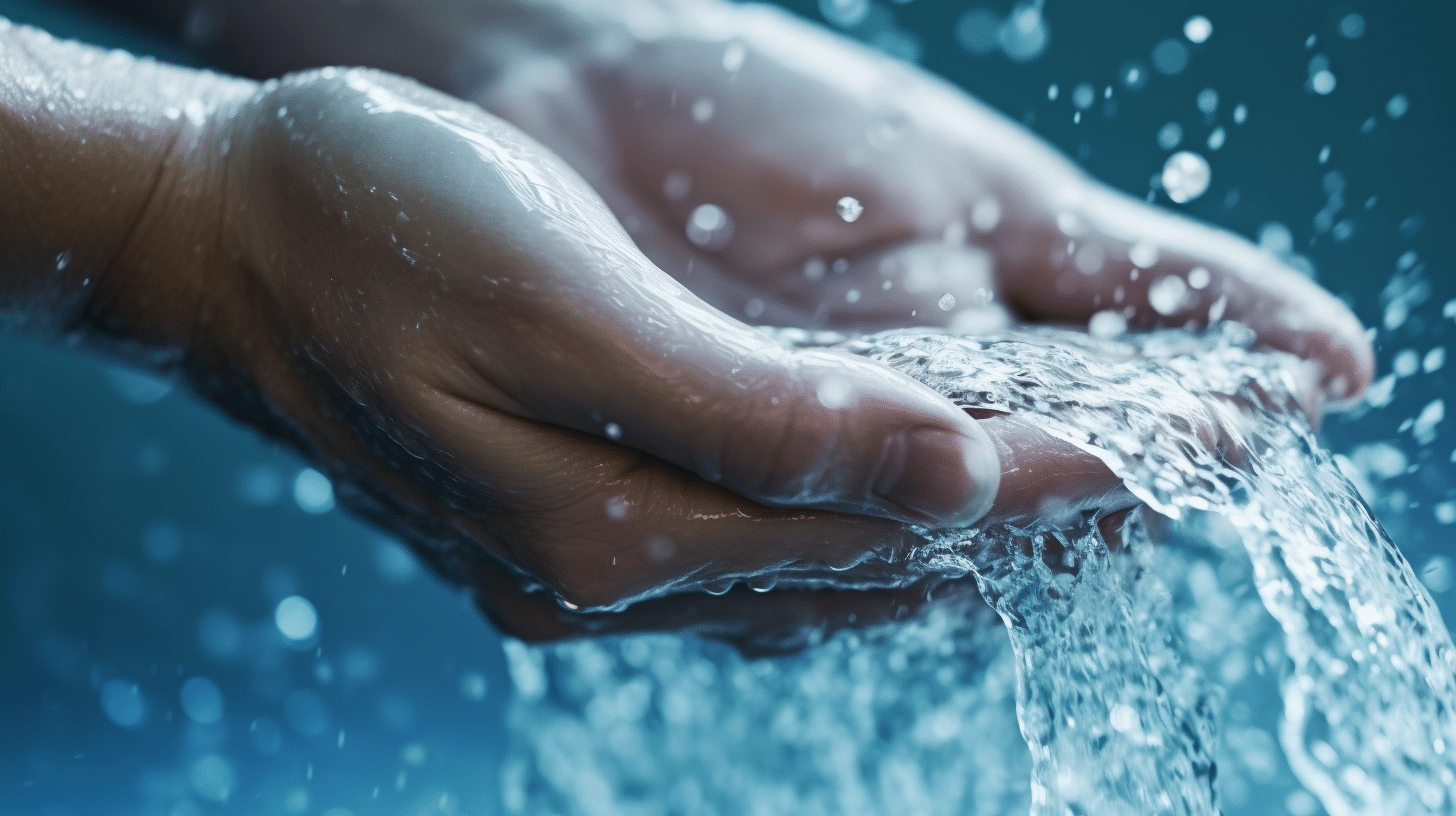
pixel 956 200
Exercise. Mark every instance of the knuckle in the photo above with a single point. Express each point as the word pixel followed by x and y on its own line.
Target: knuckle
pixel 782 453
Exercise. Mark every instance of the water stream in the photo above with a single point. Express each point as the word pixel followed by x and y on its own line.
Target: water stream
pixel 1254 563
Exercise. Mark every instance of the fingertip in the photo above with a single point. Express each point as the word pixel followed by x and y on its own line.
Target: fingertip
pixel 939 477
pixel 1347 361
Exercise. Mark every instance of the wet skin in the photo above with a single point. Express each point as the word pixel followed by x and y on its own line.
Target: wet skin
pixel 448 317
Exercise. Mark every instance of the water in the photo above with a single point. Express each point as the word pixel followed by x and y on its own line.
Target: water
pixel 1114 668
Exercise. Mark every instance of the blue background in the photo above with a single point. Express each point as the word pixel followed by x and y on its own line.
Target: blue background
pixel 136 523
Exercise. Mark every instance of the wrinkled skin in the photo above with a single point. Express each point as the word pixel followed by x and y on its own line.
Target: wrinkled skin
pixel 451 322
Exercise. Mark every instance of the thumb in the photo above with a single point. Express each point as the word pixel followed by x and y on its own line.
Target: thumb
pixel 649 365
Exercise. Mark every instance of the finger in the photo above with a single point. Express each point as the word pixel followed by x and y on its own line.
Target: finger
pixel 649 365
pixel 756 623
pixel 1047 478
pixel 559 318
pixel 603 525
pixel 1161 269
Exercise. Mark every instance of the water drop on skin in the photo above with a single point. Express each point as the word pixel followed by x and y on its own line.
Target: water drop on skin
pixel 703 110
pixel 734 56
pixel 1143 254
pixel 709 227
pixel 849 209
pixel 1166 296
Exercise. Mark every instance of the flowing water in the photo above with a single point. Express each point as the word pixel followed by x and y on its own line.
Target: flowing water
pixel 1253 550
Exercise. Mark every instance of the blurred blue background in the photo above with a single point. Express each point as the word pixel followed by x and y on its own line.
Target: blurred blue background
pixel 146 542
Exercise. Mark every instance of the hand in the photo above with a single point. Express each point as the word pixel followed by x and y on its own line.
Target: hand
pixel 442 316
pixel 775 121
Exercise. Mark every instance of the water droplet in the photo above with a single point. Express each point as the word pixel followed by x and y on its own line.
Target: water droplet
pixel 1023 36
pixel 1186 176
pixel 852 296
pixel 1322 82
pixel 1276 238
pixel 1170 135
pixel 946 302
pixel 1052 91
pixel 1241 114
pixel 844 13
pixel 1352 26
pixel 213 778
pixel 1167 295
pixel 313 492
pixel 1199 278
pixel 1445 513
pixel 1134 75
pixel 1107 324
pixel 734 56
pixel 703 110
pixel 849 209
pixel 709 227
pixel 296 618
pixel 1397 106
pixel 1071 223
pixel 1434 360
pixel 63 260
pixel 616 508
pixel 986 214
pixel 1124 719
pixel 1198 29
pixel 1084 95
pixel 976 31
pixel 814 269
pixel 1170 57
pixel 473 686
pixel 123 704
pixel 1143 254
pixel 202 700
pixel 1217 138
pixel 1208 100
pixel 834 392
pixel 753 309
pixel 677 185
pixel 613 431
pixel 1405 363
pixel 1090 259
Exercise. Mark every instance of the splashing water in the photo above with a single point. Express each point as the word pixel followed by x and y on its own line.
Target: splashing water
pixel 1114 651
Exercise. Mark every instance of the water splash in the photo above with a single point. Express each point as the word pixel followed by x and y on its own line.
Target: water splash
pixel 1115 665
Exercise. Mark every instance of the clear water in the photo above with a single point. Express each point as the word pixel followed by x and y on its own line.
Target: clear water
pixel 1119 713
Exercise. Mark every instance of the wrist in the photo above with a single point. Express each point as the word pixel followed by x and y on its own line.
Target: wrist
pixel 106 189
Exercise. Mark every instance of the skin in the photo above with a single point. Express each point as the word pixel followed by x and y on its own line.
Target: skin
pixel 510 352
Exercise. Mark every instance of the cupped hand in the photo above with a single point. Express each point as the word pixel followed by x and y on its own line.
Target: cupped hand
pixel 447 320
pixel 791 177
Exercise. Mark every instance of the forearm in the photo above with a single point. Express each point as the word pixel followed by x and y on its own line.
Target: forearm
pixel 100 157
